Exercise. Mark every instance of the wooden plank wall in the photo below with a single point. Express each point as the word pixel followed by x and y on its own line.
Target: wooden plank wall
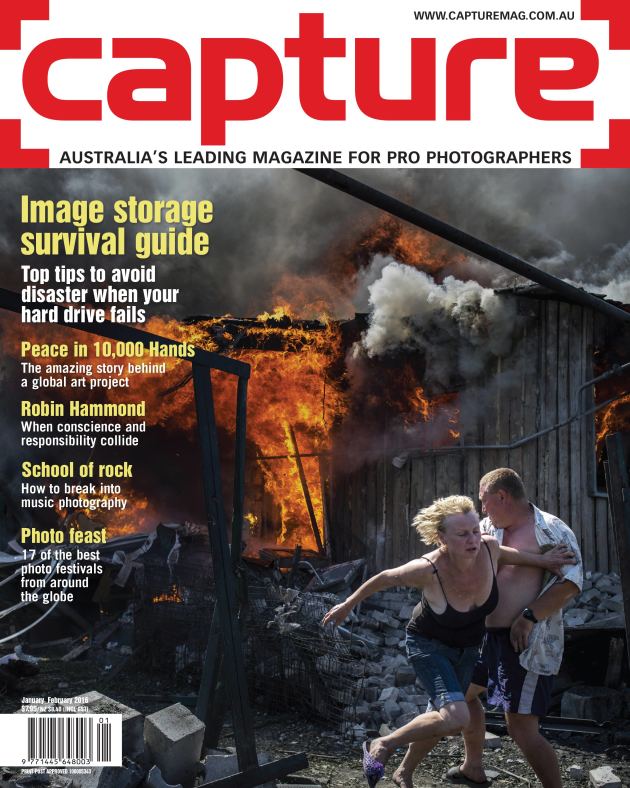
pixel 552 358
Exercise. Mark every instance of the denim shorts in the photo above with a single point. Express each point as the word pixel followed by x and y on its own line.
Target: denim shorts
pixel 443 671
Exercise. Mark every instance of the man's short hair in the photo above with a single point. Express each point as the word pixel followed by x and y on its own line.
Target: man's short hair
pixel 504 479
pixel 430 520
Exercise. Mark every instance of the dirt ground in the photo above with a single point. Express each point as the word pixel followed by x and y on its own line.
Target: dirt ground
pixel 333 761
pixel 336 764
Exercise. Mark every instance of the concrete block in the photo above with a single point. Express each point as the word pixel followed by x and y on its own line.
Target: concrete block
pixel 405 612
pixel 405 675
pixel 593 594
pixel 576 772
pixel 592 703
pixel 604 777
pixel 614 603
pixel 155 780
pixel 361 712
pixel 371 694
pixel 379 616
pixel 492 741
pixel 370 638
pixel 389 694
pixel 577 617
pixel 608 585
pixel 375 681
pixel 373 668
pixel 391 711
pixel 418 699
pixel 405 718
pixel 173 739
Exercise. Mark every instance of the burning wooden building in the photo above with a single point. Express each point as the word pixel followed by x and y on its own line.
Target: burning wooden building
pixel 543 409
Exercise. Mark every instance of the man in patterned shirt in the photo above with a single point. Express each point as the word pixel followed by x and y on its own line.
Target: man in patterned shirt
pixel 525 637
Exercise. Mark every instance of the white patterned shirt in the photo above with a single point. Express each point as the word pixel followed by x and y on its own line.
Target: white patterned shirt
pixel 543 655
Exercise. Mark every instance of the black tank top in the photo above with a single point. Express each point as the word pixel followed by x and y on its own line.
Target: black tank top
pixel 452 627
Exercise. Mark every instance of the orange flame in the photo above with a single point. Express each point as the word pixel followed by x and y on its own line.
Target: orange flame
pixel 289 387
pixel 172 595
pixel 612 418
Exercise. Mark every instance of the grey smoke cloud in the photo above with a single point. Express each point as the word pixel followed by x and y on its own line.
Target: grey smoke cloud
pixel 457 325
pixel 273 222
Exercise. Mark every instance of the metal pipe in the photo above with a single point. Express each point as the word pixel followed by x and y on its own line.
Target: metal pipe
pixel 605 375
pixel 462 239
pixel 516 444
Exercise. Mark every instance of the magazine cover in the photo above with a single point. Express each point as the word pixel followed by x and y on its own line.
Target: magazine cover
pixel 315 384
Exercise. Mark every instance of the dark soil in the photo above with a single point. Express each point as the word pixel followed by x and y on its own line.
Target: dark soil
pixel 333 761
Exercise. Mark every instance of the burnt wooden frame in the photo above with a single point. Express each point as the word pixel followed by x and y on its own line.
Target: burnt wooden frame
pixel 225 635
pixel 617 467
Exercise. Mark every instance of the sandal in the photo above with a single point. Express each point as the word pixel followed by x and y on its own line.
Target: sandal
pixel 455 775
pixel 372 769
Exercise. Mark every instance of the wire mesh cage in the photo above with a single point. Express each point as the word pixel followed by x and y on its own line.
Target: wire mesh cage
pixel 174 603
pixel 294 662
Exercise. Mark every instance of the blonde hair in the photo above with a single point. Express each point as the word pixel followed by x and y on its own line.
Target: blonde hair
pixel 504 479
pixel 430 520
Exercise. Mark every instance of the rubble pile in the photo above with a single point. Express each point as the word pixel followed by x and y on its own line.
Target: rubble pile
pixel 389 696
pixel 599 605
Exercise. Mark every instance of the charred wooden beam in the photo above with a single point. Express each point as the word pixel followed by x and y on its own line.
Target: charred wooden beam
pixel 305 490
pixel 464 240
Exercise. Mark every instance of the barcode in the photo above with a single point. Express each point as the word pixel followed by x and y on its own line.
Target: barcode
pixel 56 737
pixel 61 739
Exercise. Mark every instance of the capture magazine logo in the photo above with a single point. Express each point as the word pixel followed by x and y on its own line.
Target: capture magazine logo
pixel 13 153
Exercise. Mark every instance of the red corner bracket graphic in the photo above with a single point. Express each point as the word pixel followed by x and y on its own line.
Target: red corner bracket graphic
pixel 617 155
pixel 11 17
pixel 13 14
pixel 11 152
pixel 617 12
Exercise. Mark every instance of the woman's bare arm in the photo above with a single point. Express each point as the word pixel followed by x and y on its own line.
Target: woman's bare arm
pixel 551 561
pixel 414 574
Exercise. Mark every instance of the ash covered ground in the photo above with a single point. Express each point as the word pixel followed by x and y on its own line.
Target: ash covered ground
pixel 333 761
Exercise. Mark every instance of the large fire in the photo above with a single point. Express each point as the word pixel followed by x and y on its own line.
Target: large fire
pixel 293 399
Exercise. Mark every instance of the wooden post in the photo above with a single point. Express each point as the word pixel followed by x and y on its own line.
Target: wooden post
pixel 324 484
pixel 233 662
pixel 618 484
pixel 307 495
